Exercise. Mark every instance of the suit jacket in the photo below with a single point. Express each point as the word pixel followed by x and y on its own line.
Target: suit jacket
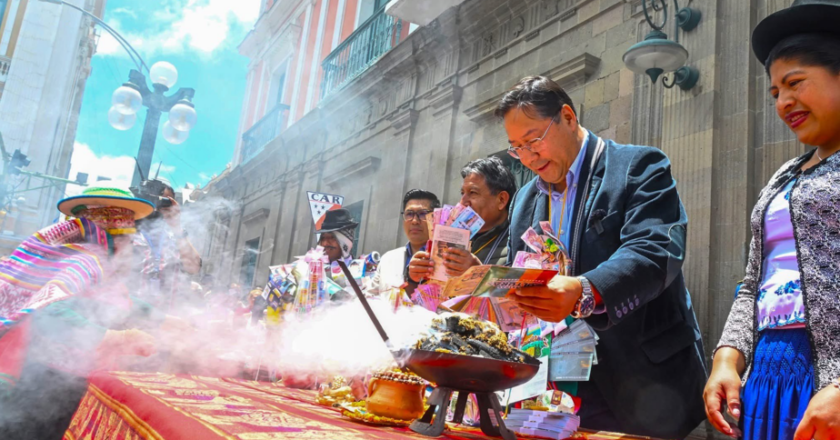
pixel 487 242
pixel 628 238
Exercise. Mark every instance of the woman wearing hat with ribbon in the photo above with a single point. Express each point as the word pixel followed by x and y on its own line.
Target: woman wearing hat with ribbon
pixel 65 311
pixel 783 331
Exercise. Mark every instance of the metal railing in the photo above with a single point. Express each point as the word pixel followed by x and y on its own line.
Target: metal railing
pixel 5 63
pixel 360 50
pixel 264 131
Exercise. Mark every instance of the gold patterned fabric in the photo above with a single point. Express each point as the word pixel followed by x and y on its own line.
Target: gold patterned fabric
pixel 157 406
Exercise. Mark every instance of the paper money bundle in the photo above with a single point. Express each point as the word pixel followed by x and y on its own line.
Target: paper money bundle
pixel 451 228
pixel 556 425
pixel 573 353
pixel 548 252
pixel 458 216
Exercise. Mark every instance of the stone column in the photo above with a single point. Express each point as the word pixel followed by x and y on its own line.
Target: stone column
pixel 289 219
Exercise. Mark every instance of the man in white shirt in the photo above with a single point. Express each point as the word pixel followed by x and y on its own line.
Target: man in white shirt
pixel 418 205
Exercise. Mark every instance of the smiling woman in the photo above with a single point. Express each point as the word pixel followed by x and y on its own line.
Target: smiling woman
pixel 783 324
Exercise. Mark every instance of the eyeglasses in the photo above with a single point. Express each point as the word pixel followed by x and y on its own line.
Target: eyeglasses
pixel 530 146
pixel 410 215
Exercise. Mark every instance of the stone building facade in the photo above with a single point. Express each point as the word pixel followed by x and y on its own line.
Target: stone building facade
pixel 45 53
pixel 424 109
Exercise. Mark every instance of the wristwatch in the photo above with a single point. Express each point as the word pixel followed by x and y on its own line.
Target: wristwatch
pixel 586 304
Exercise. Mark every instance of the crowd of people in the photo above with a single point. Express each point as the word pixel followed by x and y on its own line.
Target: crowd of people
pixel 99 285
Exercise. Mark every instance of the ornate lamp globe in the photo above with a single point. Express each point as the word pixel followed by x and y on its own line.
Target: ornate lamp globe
pixel 655 55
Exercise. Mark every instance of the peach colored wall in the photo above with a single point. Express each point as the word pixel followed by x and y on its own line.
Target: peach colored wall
pixel 254 92
pixel 306 69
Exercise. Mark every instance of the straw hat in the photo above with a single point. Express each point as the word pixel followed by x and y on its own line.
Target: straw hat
pixel 105 197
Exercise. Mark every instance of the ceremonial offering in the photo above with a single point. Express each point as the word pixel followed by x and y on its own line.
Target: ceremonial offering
pixel 336 393
pixel 457 372
pixel 428 296
pixel 361 415
pixel 396 394
pixel 463 334
pixel 549 254
pixel 496 281
pixel 311 291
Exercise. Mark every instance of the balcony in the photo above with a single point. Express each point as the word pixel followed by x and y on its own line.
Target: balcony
pixel 4 68
pixel 264 131
pixel 359 51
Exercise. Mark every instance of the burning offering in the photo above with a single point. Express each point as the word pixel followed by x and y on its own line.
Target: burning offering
pixel 462 334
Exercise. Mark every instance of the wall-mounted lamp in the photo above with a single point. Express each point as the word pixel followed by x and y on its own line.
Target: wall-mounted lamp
pixel 657 54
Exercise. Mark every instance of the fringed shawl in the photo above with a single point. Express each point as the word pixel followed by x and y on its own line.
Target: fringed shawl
pixel 54 264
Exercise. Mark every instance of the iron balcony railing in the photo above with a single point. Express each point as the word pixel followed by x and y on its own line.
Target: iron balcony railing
pixel 360 50
pixel 264 131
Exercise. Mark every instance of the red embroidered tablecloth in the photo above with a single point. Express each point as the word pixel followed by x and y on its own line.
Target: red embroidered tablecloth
pixel 157 406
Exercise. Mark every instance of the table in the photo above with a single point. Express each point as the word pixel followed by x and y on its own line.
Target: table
pixel 158 406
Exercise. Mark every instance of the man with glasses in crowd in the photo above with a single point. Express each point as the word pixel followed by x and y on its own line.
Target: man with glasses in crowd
pixel 487 188
pixel 392 271
pixel 616 209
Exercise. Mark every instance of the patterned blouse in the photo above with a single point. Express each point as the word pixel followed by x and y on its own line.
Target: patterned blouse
pixel 780 296
pixel 815 215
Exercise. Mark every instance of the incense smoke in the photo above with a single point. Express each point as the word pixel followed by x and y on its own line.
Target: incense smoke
pixel 341 340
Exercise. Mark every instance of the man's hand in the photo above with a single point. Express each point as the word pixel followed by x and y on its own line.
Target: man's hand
pixel 458 261
pixel 822 418
pixel 552 303
pixel 724 386
pixel 420 266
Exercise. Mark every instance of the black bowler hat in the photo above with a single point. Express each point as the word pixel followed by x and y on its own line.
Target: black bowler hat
pixel 337 220
pixel 802 17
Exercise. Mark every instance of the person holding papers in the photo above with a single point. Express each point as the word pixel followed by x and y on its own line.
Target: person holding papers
pixel 488 188
pixel 616 209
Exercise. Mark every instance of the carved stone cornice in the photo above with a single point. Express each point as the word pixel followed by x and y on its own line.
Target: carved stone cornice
pixel 575 71
pixel 403 119
pixel 569 74
pixel 446 96
pixel 483 110
pixel 356 170
pixel 293 177
pixel 256 216
pixel 313 168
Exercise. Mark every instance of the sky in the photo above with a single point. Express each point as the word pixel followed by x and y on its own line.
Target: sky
pixel 200 38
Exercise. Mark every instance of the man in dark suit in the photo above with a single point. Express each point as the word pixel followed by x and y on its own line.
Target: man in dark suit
pixel 617 210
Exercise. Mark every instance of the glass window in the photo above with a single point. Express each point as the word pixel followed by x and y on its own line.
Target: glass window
pixel 249 262
pixel 3 4
pixel 520 172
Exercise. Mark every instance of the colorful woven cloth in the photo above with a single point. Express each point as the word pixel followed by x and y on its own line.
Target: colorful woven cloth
pixel 54 264
pixel 135 406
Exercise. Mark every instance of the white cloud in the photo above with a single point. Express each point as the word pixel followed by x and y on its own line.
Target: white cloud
pixel 120 169
pixel 200 26
pixel 125 11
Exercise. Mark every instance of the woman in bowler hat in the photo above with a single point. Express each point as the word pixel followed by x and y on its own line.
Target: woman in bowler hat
pixel 783 331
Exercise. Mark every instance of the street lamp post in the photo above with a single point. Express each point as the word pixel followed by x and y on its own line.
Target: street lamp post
pixel 134 94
